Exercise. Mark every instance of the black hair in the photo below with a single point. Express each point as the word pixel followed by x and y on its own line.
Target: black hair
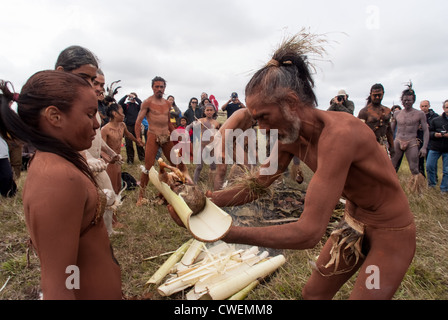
pixel 376 86
pixel 43 89
pixel 408 92
pixel 158 79
pixel 74 57
pixel 189 103
pixel 288 69
pixel 113 107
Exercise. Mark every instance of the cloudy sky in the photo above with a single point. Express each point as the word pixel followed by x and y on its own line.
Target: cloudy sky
pixel 215 46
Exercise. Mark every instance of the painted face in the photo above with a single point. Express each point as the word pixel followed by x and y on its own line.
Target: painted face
pixel 98 86
pixel 376 96
pixel 159 89
pixel 408 101
pixel 273 116
pixel 87 71
pixel 80 124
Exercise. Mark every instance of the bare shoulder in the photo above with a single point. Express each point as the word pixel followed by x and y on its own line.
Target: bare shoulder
pixel 346 131
pixel 363 112
pixel 51 169
pixel 106 128
pixel 147 102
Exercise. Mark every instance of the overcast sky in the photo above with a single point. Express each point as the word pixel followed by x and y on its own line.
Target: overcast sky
pixel 216 46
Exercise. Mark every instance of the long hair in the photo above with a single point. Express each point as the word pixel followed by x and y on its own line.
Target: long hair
pixel 289 69
pixel 43 89
pixel 376 86
pixel 189 103
pixel 74 57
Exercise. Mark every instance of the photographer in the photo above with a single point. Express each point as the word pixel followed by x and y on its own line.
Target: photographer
pixel 232 105
pixel 131 107
pixel 341 103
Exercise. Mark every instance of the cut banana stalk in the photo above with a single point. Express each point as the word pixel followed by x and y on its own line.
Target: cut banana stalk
pixel 209 225
pixel 223 290
pixel 163 271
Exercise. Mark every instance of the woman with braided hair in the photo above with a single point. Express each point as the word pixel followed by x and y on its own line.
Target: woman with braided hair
pixel 377 232
pixel 56 113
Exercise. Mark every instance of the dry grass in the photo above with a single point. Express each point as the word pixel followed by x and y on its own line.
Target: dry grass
pixel 150 232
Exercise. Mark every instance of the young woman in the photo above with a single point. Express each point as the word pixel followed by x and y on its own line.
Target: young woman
pixel 207 123
pixel 62 204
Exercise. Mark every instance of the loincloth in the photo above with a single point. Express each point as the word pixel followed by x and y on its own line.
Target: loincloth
pixel 404 145
pixel 162 139
pixel 347 241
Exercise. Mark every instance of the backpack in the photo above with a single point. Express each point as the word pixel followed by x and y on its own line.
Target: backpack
pixel 130 181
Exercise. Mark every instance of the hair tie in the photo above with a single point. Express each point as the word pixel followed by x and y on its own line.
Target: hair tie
pixel 273 63
pixel 15 97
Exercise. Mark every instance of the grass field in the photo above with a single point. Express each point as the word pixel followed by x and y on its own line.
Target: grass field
pixel 151 232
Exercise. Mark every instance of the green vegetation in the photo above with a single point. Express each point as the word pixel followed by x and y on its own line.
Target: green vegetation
pixel 149 231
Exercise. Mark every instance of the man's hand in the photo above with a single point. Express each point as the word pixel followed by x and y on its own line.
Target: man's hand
pixel 117 158
pixel 97 165
pixel 392 152
pixel 422 152
pixel 175 217
pixel 140 142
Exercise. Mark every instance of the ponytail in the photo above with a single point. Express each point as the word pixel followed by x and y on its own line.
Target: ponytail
pixel 289 69
pixel 43 89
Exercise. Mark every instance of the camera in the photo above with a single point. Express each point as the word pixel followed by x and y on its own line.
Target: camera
pixel 341 98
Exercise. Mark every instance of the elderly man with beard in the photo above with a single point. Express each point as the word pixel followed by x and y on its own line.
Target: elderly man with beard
pixel 378 118
pixel 377 234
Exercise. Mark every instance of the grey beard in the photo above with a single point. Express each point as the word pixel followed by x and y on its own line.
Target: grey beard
pixel 292 133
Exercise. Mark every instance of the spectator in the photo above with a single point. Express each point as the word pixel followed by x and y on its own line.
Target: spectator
pixel 232 105
pixel 425 106
pixel 216 104
pixel 341 103
pixel 175 113
pixel 131 108
pixel 438 147
pixel 193 112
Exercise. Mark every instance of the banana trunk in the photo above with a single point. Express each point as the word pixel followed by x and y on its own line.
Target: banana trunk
pixel 209 225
